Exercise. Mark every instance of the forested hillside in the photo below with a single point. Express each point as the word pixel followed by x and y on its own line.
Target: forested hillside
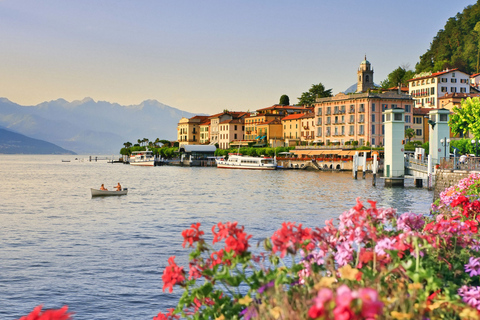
pixel 457 45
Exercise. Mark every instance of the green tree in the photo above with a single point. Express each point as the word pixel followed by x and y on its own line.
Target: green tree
pixel 316 91
pixel 466 118
pixel 409 133
pixel 284 100
pixel 400 75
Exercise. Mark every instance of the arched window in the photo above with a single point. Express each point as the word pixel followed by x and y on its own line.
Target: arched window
pixel 359 78
pixel 366 78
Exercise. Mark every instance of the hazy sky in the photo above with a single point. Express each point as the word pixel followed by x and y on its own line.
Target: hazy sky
pixel 205 56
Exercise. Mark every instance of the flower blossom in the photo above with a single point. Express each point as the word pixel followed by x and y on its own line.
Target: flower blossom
pixel 384 244
pixel 473 267
pixel 50 314
pixel 289 236
pixel 192 235
pixel 471 296
pixel 172 275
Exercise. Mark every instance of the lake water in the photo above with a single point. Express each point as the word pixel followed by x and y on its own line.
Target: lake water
pixel 104 257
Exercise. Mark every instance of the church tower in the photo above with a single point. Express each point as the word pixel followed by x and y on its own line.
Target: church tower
pixel 364 76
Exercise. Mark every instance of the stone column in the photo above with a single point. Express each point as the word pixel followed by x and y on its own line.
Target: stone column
pixel 394 167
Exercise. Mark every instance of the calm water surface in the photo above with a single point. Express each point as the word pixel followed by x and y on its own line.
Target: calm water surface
pixel 104 257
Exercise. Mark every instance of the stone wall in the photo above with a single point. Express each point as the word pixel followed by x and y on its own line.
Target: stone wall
pixel 447 178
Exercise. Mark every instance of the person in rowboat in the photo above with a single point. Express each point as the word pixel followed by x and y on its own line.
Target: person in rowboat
pixel 118 187
pixel 103 188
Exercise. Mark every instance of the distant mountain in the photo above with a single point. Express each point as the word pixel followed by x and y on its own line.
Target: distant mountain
pixel 92 127
pixel 15 143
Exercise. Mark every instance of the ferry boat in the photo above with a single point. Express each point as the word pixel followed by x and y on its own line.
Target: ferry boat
pixel 142 158
pixel 236 161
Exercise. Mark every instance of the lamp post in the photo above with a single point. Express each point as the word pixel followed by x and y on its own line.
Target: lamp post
pixel 445 143
pixel 474 141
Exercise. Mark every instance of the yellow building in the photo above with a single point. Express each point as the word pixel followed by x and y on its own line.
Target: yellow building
pixel 205 131
pixel 268 131
pixel 188 130
pixel 292 129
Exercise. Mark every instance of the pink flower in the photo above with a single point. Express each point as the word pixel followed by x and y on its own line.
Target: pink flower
pixel 473 267
pixel 344 254
pixel 371 305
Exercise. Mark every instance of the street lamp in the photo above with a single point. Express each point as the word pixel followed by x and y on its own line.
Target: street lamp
pixel 445 143
pixel 476 146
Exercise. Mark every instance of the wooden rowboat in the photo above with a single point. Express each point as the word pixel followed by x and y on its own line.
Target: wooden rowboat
pixel 103 193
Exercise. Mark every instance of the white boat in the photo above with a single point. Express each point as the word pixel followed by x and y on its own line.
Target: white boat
pixel 236 161
pixel 98 192
pixel 142 158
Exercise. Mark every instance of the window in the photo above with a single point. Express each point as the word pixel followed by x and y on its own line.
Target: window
pixel 361 129
pixel 373 107
pixel 453 75
pixel 463 90
pixel 408 108
pixel 453 89
pixel 319 132
pixel 235 137
pixel 394 106
pixel 407 119
pixel 366 78
pixel 388 116
pixel 235 127
pixel 383 118
pixel 444 117
pixel 362 108
pixel 432 90
pixel 352 118
pixel 329 110
pixel 343 130
pixel 453 80
pixel 433 80
pixel 444 79
pixel 362 118
pixel 383 129
pixel 384 107
pixel 373 118
pixel 418 132
pixel 373 129
pixel 444 89
pixel 351 131
pixel 397 117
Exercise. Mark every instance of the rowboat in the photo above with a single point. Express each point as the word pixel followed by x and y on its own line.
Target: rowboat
pixel 104 193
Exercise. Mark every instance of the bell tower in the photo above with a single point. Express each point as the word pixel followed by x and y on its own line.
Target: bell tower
pixel 364 76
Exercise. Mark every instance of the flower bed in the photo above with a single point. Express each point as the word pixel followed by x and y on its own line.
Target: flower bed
pixel 370 264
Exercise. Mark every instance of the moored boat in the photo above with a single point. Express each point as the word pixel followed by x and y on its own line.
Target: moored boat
pixel 98 192
pixel 236 161
pixel 142 158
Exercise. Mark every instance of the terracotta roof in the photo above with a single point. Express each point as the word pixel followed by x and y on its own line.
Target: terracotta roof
pixel 205 122
pixel 274 121
pixel 458 95
pixel 279 106
pixel 474 75
pixel 294 116
pixel 422 111
pixel 433 75
pixel 235 114
pixel 308 115
pixel 201 118
pixel 232 121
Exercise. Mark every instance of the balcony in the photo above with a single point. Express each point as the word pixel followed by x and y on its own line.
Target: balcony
pixel 328 112
pixel 352 110
pixel 361 109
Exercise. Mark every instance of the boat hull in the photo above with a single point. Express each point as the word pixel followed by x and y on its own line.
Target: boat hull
pixel 143 163
pixel 245 162
pixel 226 166
pixel 106 193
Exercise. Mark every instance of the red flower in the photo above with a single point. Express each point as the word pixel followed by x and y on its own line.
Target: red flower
pixel 192 235
pixel 168 316
pixel 236 238
pixel 172 275
pixel 287 238
pixel 51 314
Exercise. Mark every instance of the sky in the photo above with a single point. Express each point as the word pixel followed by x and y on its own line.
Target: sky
pixel 204 56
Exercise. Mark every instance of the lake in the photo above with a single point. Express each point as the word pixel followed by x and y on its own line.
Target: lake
pixel 104 257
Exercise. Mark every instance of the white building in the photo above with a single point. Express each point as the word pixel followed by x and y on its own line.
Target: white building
pixel 425 88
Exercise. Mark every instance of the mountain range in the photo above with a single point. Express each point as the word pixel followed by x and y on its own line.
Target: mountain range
pixel 91 127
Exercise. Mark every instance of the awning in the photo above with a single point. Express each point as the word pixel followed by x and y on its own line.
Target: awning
pixel 316 152
pixel 257 137
pixel 262 137
pixel 332 151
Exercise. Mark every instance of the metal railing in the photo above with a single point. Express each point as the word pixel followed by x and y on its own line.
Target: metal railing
pixel 468 164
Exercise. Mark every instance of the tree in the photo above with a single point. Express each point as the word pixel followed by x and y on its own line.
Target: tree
pixel 409 133
pixel 284 100
pixel 400 75
pixel 316 91
pixel 466 118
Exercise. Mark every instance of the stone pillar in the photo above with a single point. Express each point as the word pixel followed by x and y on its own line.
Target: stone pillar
pixel 438 130
pixel 394 167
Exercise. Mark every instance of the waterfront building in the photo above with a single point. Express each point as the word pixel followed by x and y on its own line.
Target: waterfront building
pixel 357 118
pixel 230 130
pixel 188 130
pixel 427 87
pixel 292 129
pixel 205 131
pixel 307 127
pixel 264 116
pixel 451 100
pixel 269 131
pixel 420 124
pixel 220 117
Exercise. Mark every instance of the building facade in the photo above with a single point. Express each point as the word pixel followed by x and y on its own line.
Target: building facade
pixel 188 130
pixel 426 88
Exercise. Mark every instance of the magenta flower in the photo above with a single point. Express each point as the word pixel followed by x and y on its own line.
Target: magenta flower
pixel 471 296
pixel 473 267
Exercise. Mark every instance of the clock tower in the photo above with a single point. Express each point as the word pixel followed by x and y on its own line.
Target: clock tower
pixel 364 76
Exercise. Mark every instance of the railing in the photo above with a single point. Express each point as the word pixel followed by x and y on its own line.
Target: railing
pixel 469 164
